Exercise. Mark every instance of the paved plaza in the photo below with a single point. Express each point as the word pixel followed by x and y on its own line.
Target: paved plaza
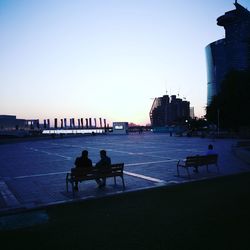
pixel 32 173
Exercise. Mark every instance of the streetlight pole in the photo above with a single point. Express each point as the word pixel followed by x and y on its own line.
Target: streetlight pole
pixel 218 121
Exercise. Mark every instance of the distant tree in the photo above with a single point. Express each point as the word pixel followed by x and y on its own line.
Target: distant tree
pixel 233 102
pixel 197 124
pixel 131 124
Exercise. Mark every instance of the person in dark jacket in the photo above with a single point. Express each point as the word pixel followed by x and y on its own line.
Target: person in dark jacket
pixel 82 162
pixel 102 165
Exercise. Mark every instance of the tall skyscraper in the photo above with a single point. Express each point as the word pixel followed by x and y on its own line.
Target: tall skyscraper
pixel 230 53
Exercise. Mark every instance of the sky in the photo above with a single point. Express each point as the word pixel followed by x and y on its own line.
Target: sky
pixel 104 58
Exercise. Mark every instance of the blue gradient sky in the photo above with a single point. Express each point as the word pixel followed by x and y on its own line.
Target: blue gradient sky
pixel 104 58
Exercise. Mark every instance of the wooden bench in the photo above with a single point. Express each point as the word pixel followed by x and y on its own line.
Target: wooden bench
pixel 197 161
pixel 80 175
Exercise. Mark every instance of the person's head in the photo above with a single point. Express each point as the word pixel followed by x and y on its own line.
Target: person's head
pixel 84 153
pixel 103 153
pixel 210 147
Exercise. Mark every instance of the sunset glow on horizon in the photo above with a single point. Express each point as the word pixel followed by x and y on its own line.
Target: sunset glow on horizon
pixel 108 59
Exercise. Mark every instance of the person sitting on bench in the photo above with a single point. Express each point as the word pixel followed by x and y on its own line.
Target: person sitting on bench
pixel 210 150
pixel 82 162
pixel 103 165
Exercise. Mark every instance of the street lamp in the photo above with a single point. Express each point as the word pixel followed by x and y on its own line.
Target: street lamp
pixel 218 121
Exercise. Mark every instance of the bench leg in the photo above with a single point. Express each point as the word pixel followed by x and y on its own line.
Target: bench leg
pixel 73 190
pixel 177 167
pixel 218 170
pixel 216 167
pixel 115 180
pixel 178 171
pixel 67 185
pixel 67 182
pixel 123 183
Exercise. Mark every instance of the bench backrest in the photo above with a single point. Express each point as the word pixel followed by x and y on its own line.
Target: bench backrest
pixel 117 166
pixel 199 160
pixel 113 168
pixel 193 160
pixel 78 172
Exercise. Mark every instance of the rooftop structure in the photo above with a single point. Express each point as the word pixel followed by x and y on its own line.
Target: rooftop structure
pixel 10 122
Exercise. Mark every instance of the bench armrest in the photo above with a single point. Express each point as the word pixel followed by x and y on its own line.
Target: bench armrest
pixel 181 162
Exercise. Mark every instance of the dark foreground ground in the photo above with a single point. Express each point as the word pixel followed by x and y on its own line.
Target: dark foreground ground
pixel 210 214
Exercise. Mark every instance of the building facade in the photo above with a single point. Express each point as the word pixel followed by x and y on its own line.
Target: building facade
pixel 120 128
pixel 168 110
pixel 10 122
pixel 230 53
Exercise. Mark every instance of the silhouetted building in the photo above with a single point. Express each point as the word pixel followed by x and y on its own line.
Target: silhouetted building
pixel 120 127
pixel 230 53
pixel 192 112
pixel 10 122
pixel 168 111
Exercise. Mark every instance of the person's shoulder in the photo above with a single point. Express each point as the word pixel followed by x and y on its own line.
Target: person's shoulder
pixel 78 159
pixel 211 152
pixel 108 159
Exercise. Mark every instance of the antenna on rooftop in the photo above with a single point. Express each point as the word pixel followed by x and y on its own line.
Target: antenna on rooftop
pixel 166 87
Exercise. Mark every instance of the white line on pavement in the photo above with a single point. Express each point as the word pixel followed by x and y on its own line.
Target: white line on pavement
pixel 144 177
pixel 39 175
pixel 64 172
pixel 150 162
pixel 7 195
pixel 116 151
pixel 49 153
